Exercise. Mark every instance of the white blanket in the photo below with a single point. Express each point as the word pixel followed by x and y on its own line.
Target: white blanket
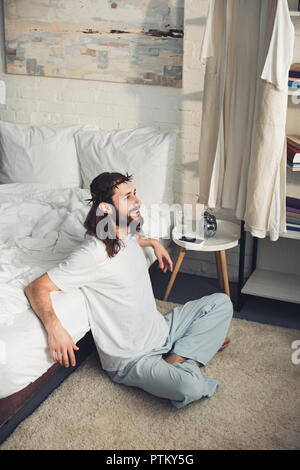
pixel 39 226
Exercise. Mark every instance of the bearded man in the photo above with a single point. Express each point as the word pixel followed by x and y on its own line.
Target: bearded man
pixel 137 345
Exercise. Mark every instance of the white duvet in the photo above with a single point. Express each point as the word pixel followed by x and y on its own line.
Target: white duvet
pixel 40 225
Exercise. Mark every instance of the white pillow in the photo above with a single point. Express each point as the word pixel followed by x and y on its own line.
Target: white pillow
pixel 146 153
pixel 39 154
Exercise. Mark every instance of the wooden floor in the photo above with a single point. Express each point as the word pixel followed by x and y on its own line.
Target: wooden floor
pixel 189 287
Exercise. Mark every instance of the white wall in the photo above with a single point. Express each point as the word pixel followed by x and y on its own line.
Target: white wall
pixel 38 100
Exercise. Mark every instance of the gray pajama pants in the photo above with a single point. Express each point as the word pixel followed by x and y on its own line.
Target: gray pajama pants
pixel 197 330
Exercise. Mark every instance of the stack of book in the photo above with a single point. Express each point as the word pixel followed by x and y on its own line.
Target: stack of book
pixel 293 214
pixel 293 152
pixel 294 77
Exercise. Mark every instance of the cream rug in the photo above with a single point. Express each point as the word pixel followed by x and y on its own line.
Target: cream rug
pixel 257 405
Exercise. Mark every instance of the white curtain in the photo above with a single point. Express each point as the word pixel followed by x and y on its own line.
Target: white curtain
pixel 247 49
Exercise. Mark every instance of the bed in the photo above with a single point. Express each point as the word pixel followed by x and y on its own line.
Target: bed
pixel 42 209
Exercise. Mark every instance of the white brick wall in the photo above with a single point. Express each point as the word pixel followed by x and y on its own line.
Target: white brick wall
pixel 41 100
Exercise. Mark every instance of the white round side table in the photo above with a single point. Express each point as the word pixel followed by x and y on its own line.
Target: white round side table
pixel 227 236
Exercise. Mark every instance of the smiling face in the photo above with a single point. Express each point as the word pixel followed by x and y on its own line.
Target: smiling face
pixel 126 202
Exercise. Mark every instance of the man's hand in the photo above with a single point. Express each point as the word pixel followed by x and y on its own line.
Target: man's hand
pixel 160 251
pixel 163 256
pixel 60 342
pixel 61 345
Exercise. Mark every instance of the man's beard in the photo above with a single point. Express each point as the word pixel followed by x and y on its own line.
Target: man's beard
pixel 108 226
pixel 127 220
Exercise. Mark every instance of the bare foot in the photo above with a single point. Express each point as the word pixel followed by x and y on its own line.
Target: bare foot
pixel 172 357
pixel 225 344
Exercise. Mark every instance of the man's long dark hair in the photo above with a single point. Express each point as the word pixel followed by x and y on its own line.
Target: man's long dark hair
pixel 102 189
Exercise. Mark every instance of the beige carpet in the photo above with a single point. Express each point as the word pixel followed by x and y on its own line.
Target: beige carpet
pixel 257 405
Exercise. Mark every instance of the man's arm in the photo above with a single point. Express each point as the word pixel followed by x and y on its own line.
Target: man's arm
pixel 143 241
pixel 60 342
pixel 160 251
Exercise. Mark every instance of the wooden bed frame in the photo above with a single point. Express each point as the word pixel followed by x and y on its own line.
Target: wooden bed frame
pixel 19 405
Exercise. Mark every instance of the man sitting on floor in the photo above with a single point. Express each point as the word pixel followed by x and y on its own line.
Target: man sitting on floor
pixel 137 345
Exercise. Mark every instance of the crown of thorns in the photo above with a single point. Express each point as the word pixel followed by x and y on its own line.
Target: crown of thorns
pixel 97 196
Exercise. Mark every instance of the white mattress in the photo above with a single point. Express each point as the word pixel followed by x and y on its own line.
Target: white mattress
pixel 40 225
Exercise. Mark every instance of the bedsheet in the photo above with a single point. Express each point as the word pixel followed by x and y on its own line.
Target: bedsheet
pixel 40 225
